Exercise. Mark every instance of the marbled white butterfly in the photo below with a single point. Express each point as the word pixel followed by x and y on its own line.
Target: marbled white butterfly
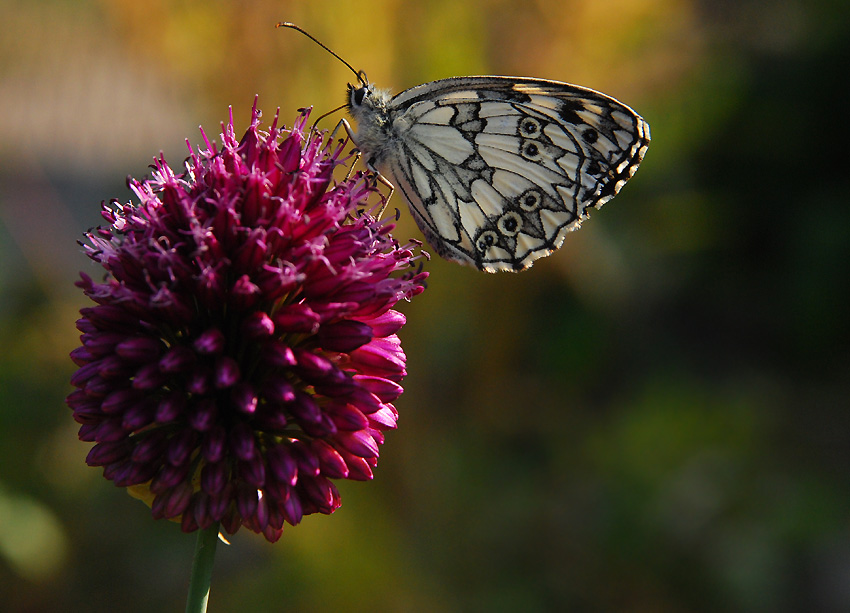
pixel 496 170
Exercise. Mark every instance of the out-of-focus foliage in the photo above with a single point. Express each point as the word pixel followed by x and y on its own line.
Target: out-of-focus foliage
pixel 654 418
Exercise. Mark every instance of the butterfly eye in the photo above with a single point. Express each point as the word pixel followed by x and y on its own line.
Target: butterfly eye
pixel 357 95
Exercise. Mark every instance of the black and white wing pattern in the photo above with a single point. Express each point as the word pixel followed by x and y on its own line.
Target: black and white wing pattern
pixel 497 170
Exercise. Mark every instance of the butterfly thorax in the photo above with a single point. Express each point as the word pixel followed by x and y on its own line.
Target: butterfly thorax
pixel 370 108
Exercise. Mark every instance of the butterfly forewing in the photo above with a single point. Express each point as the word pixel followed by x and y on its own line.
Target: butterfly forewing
pixel 497 170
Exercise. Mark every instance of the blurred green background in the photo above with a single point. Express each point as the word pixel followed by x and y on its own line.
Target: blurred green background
pixel 653 419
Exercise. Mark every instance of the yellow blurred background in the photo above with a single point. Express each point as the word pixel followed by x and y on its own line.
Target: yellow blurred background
pixel 652 419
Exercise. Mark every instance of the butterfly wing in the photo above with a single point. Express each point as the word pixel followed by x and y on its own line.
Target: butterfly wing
pixel 497 170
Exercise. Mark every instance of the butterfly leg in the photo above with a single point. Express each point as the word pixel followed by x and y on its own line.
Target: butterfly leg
pixel 382 179
pixel 357 155
pixel 343 123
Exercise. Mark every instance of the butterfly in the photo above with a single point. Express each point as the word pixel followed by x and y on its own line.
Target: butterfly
pixel 496 170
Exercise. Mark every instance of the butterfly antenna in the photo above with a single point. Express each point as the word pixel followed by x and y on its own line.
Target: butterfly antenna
pixel 288 24
pixel 321 117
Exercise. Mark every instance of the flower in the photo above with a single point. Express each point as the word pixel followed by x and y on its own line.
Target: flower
pixel 242 351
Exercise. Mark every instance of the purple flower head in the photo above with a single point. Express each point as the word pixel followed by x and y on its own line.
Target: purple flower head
pixel 242 351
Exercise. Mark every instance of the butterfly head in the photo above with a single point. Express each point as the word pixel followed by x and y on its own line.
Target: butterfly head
pixel 359 94
pixel 367 104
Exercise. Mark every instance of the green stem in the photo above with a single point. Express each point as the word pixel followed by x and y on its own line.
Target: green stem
pixel 202 565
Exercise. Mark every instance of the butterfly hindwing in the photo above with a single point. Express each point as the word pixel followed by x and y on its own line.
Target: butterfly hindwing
pixel 497 170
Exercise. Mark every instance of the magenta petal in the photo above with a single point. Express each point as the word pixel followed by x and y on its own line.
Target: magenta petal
pixel 282 464
pixel 359 443
pixel 385 418
pixel 314 367
pixel 244 398
pixel 180 447
pixel 261 515
pixel 322 493
pixel 107 453
pixel 214 478
pixel 305 409
pixel 305 459
pixel 214 445
pixel 272 532
pixel 331 462
pixel 258 325
pixel 136 474
pixel 358 468
pixel 140 349
pixel 386 324
pixel 226 372
pixel 219 503
pixel 297 318
pixel 196 514
pixel 172 502
pixel 244 293
pixel 384 389
pixel 253 471
pixel 170 408
pixel 98 386
pixel 346 416
pixel 279 391
pixel 150 447
pixel 120 400
pixel 210 342
pixel 242 442
pixel 203 414
pixel 139 415
pixel 168 477
pixel 149 377
pixel 81 356
pixel 344 336
pixel 177 359
pixel 289 154
pixel 279 355
pixel 85 374
pixel 101 344
pixel 247 499
pixel 373 359
pixel 293 510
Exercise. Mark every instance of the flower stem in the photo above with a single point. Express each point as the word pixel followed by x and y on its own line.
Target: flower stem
pixel 202 565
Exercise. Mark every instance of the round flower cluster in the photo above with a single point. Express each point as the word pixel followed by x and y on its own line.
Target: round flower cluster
pixel 242 351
